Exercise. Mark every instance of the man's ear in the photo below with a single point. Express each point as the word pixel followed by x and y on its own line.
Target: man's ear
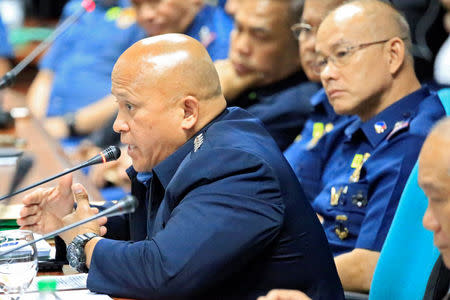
pixel 396 47
pixel 191 108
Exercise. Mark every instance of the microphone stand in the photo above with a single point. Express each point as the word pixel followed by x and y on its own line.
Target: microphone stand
pixel 126 205
pixel 9 78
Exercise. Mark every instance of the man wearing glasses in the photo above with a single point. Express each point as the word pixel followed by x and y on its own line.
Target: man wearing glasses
pixel 366 68
pixel 303 155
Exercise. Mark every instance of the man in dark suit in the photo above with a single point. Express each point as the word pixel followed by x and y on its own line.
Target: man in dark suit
pixel 221 213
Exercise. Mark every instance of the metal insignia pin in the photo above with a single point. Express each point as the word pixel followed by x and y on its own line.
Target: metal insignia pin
pixel 198 141
pixel 380 127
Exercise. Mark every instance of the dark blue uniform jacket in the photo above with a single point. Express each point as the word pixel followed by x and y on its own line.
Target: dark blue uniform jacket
pixel 223 217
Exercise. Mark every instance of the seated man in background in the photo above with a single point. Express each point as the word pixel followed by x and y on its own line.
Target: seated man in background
pixel 193 238
pixel 262 73
pixel 75 71
pixel 367 70
pixel 434 179
pixel 209 24
pixel 302 154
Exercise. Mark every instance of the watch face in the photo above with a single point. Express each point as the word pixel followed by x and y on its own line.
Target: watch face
pixel 73 255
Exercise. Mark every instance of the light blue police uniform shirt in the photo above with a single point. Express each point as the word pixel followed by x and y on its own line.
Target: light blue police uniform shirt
pixel 83 57
pixel 5 47
pixel 304 157
pixel 393 139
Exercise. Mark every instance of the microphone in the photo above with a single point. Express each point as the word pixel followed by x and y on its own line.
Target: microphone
pixel 126 205
pixel 109 154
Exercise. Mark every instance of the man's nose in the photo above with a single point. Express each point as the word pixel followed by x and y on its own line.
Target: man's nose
pixel 429 221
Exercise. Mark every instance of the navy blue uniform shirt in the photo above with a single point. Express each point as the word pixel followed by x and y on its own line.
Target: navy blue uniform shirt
pixel 303 155
pixel 223 217
pixel 283 106
pixel 367 165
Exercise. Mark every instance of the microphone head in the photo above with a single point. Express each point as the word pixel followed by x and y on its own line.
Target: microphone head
pixel 126 205
pixel 111 153
pixel 130 203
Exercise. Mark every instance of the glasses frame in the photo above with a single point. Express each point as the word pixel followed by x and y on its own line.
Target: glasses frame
pixel 351 50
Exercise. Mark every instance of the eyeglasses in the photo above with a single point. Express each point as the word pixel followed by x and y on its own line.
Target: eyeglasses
pixel 302 31
pixel 341 57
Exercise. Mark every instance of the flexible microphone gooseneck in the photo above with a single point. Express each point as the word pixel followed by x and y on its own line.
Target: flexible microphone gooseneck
pixel 109 154
pixel 126 205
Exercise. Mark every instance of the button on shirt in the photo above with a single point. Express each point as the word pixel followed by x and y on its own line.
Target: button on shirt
pixel 225 219
pixel 367 170
pixel 83 57
pixel 5 47
pixel 283 106
pixel 304 155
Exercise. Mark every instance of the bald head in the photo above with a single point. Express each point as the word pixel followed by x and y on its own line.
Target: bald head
pixel 175 63
pixel 434 179
pixel 376 18
pixel 434 159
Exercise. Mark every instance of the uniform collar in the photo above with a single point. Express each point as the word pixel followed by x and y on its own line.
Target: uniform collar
pixel 402 110
pixel 320 102
pixel 166 169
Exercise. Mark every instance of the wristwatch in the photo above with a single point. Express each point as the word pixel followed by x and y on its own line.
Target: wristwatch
pixel 75 251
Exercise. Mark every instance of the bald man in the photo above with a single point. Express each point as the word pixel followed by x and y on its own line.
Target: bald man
pixel 366 69
pixel 434 179
pixel 221 215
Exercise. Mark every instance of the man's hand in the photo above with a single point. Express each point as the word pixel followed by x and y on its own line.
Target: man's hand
pixel 284 295
pixel 82 212
pixel 44 208
pixel 233 84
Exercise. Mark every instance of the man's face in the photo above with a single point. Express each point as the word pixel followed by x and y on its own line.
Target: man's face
pixel 262 41
pixel 356 87
pixel 148 120
pixel 434 179
pixel 314 11
pixel 162 16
